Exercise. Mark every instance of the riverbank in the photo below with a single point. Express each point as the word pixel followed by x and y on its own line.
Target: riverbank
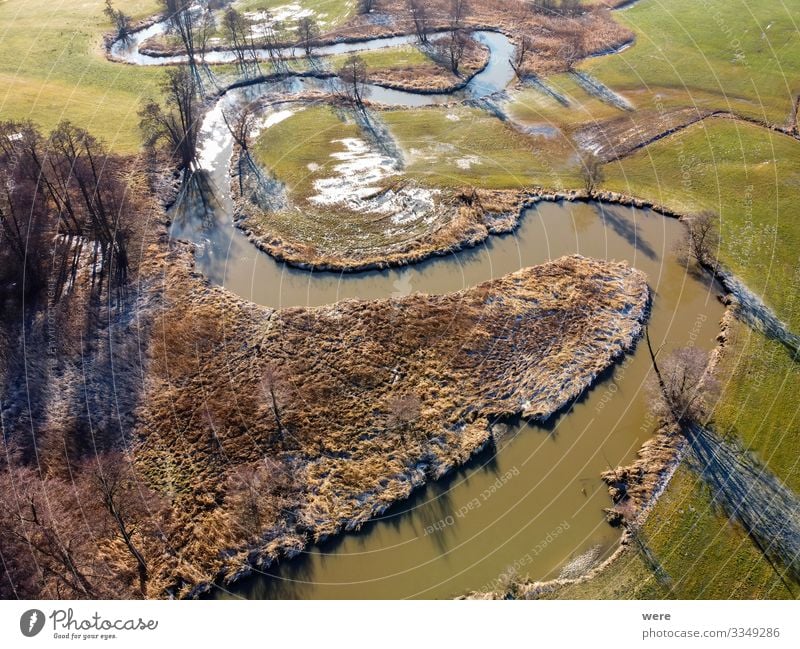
pixel 468 219
pixel 634 489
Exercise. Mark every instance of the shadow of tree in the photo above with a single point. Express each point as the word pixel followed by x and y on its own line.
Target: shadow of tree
pixel 749 493
pixel 757 315
pixel 651 560
pixel 625 228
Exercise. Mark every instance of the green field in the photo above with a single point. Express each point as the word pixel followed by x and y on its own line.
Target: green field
pixel 453 147
pixel 298 150
pixel 405 56
pixel 685 55
pixel 751 176
pixel 466 146
pixel 52 67
pixel 533 106
pixel 328 13
pixel 688 551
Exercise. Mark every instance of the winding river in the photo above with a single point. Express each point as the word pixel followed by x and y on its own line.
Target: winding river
pixel 534 504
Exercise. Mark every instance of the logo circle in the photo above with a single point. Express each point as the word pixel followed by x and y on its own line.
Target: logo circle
pixel 31 622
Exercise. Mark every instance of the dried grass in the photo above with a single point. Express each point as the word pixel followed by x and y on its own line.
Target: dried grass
pixel 370 398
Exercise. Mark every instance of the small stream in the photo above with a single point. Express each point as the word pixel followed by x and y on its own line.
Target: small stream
pixel 535 503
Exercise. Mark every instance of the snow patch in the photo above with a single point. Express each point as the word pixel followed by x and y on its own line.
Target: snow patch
pixel 213 138
pixel 468 162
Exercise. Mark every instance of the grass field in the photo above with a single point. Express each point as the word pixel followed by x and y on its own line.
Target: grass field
pixel 688 551
pixel 52 67
pixel 328 13
pixel 751 177
pixel 405 56
pixel 532 105
pixel 298 150
pixel 466 146
pixel 740 55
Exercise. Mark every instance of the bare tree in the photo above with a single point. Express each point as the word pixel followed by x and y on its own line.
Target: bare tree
pixel 450 48
pixel 592 172
pixel 122 23
pixel 66 184
pixel 96 175
pixel 404 409
pixel 178 124
pixel 259 494
pixel 419 17
pixel 45 538
pixel 570 7
pixel 307 33
pixel 545 6
pixel 457 14
pixel 206 26
pixel 121 495
pixel 241 128
pixel 273 384
pixel 271 41
pixel 240 35
pixel 182 19
pixel 701 240
pixel 573 48
pixel 25 223
pixel 353 75
pixel 520 55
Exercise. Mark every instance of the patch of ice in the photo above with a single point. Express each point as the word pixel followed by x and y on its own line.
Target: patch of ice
pixel 467 162
pixel 213 138
pixel 270 120
pixel 312 166
pixel 358 185
pixel 357 176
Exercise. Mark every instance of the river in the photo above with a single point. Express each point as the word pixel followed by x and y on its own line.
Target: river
pixel 531 505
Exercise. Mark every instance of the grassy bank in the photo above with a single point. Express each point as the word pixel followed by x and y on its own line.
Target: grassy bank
pixel 468 146
pixel 686 550
pixel 328 13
